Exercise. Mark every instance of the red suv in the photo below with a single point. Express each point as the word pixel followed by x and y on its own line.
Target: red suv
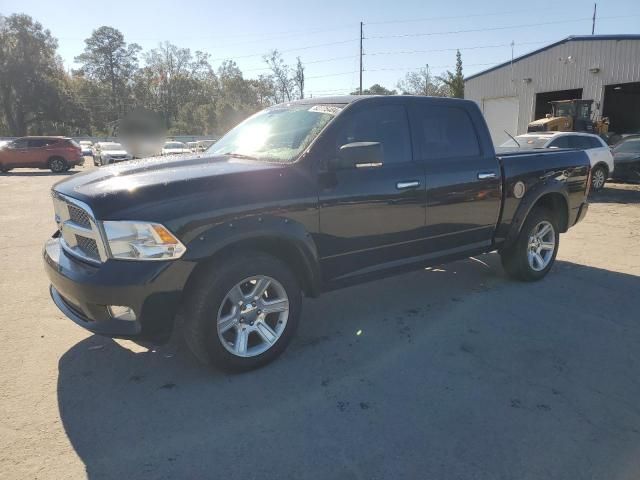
pixel 55 153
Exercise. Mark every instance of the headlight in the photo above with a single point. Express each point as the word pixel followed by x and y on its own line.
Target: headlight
pixel 142 241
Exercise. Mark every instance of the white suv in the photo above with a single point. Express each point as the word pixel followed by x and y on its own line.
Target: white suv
pixel 596 148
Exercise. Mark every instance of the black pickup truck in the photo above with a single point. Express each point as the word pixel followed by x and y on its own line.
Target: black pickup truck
pixel 298 199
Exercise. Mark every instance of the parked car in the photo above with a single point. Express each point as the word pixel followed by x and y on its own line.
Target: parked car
pixel 110 152
pixel 299 199
pixel 86 147
pixel 192 146
pixel 204 144
pixel 55 153
pixel 599 152
pixel 175 148
pixel 626 156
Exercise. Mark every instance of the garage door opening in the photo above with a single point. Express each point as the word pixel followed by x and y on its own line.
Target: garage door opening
pixel 622 106
pixel 542 100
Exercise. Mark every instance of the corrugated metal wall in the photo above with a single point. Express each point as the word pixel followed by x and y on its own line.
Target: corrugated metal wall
pixel 565 66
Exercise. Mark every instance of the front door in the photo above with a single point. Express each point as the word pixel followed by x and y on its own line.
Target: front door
pixel 372 215
pixel 19 154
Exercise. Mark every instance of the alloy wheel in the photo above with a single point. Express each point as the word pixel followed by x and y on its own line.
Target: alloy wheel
pixel 598 179
pixel 253 316
pixel 541 245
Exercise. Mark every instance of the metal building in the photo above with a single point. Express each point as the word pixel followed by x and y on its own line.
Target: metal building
pixel 603 68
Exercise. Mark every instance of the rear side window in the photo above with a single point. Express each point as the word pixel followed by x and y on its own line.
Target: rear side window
pixel 386 124
pixel 446 132
pixel 37 142
pixel 595 143
pixel 578 141
pixel 561 142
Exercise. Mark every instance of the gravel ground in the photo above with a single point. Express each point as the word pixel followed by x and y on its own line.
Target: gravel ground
pixel 457 373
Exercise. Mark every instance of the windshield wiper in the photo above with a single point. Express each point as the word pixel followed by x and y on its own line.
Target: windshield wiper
pixel 240 155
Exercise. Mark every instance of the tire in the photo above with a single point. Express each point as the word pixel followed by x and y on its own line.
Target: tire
pixel 4 169
pixel 210 300
pixel 58 165
pixel 598 178
pixel 516 258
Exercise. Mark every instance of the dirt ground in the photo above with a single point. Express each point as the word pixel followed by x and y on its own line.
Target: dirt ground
pixel 457 373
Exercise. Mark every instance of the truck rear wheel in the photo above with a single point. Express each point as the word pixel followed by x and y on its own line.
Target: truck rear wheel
pixel 533 253
pixel 243 313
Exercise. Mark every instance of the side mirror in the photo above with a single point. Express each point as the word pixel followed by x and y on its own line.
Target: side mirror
pixel 359 155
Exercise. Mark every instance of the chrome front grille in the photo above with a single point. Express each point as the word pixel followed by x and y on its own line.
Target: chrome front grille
pixel 88 246
pixel 79 216
pixel 79 230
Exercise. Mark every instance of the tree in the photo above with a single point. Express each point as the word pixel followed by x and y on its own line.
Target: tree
pixel 376 89
pixel 281 76
pixel 34 91
pixel 422 83
pixel 107 59
pixel 298 78
pixel 455 81
pixel 170 71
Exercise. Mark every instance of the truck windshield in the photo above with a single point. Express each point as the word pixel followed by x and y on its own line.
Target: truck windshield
pixel 278 134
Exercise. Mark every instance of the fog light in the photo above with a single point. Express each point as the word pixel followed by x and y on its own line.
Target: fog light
pixel 120 312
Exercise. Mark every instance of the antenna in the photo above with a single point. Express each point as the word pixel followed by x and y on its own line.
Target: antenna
pixel 593 23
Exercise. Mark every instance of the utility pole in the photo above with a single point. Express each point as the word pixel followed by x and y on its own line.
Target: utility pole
pixel 361 37
pixel 593 23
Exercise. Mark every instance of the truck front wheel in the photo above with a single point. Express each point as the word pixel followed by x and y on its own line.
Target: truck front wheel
pixel 532 254
pixel 242 314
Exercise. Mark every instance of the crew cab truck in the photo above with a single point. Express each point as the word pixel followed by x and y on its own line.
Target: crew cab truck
pixel 298 199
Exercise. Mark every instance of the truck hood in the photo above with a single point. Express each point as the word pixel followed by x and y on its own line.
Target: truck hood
pixel 129 185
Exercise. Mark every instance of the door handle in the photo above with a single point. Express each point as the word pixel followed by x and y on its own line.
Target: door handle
pixel 486 175
pixel 406 185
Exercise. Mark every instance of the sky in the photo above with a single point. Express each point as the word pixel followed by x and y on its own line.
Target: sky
pixel 398 37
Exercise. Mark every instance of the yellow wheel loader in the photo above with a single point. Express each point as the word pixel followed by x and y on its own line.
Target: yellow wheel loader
pixel 570 116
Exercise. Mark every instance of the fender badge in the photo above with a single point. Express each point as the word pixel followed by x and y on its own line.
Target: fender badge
pixel 519 189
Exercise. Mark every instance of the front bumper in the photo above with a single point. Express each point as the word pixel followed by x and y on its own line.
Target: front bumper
pixel 82 292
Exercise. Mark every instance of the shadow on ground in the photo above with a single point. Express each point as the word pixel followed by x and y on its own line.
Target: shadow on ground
pixel 617 193
pixel 456 373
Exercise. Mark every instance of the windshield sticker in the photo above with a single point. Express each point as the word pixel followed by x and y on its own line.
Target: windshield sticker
pixel 330 109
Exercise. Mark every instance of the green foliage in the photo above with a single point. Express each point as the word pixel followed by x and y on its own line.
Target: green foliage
pixel 422 83
pixel 35 93
pixel 455 81
pixel 376 89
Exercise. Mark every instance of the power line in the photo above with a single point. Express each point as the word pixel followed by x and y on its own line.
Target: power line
pixel 425 19
pixel 308 47
pixel 490 29
pixel 462 49
pixel 324 60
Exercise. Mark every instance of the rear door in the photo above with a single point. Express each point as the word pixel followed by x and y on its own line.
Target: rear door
pixel 463 176
pixel 373 215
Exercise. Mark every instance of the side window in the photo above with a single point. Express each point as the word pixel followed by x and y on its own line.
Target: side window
pixel 386 124
pixel 578 141
pixel 595 143
pixel 446 132
pixel 20 143
pixel 37 142
pixel 560 142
